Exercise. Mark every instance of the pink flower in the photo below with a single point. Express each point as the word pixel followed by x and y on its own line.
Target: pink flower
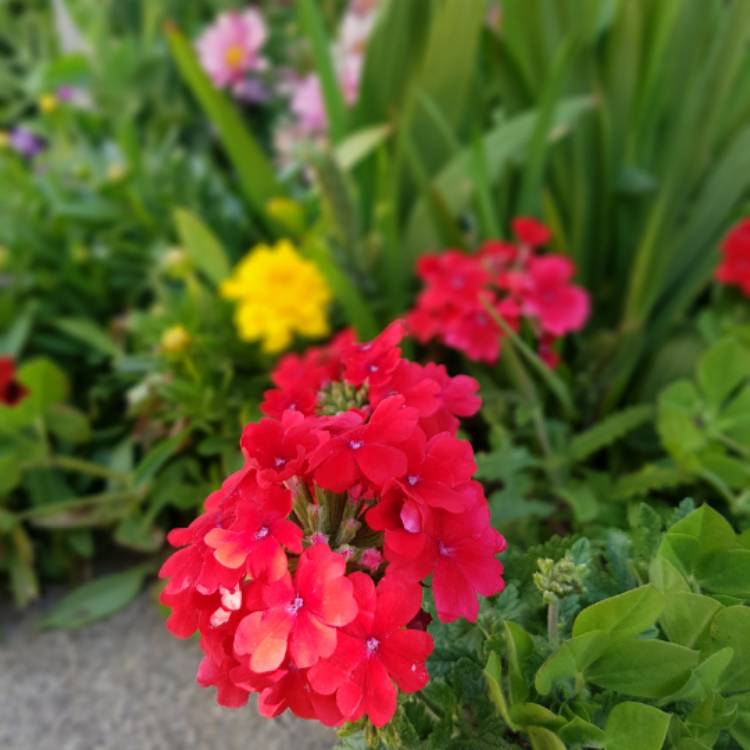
pixel 376 650
pixel 308 105
pixel 230 48
pixel 301 615
pixel 559 306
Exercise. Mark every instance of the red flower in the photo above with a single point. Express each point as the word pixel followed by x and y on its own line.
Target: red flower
pixel 459 551
pixel 11 391
pixel 438 471
pixel 291 689
pixel 260 532
pixel 374 361
pixel 376 650
pixel 194 566
pixel 382 453
pixel 278 449
pixel 301 615
pixel 734 268
pixel 559 306
pixel 366 450
pixel 531 232
pixel 297 397
pixel 420 391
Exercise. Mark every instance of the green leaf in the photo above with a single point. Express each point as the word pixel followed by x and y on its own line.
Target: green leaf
pixel 705 679
pixel 678 420
pixel 202 246
pixel 731 628
pixel 47 386
pixel 501 144
pixel 582 499
pixel 20 564
pixel 608 431
pixel 643 668
pixel 726 572
pixel 686 616
pixel 93 601
pixel 581 733
pixel 544 739
pixel 254 171
pixel 158 456
pixel 533 714
pixel 89 333
pixel 626 614
pixel 355 307
pixel 693 538
pixel 313 25
pixel 359 145
pixel 573 657
pixel 722 368
pixel 493 673
pixel 635 725
pixel 69 424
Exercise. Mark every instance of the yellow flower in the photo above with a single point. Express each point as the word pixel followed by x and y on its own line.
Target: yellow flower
pixel 278 294
pixel 48 103
pixel 4 138
pixel 175 340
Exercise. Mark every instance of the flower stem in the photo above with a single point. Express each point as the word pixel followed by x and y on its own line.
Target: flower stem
pixel 553 615
pixel 80 466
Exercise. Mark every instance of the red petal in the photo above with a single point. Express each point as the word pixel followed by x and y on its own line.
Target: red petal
pixel 328 675
pixel 454 595
pixel 311 640
pixel 381 463
pixel 404 654
pixel 338 472
pixel 264 636
pixel 380 695
pixel 398 603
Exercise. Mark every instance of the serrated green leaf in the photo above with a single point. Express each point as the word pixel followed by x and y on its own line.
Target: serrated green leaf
pixel 608 431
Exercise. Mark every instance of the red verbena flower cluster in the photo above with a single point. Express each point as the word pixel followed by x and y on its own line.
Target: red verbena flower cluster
pixel 734 268
pixel 510 278
pixel 11 391
pixel 305 574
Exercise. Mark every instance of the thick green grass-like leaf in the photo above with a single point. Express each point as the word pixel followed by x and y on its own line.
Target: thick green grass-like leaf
pixel 202 246
pixel 100 598
pixel 254 171
pixel 313 25
pixel 347 294
pixel 501 144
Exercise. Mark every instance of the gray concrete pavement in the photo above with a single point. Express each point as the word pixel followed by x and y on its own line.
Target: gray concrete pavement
pixel 123 684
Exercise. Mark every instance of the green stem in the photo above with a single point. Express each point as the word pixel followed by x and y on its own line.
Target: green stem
pixel 553 615
pixel 82 502
pixel 80 466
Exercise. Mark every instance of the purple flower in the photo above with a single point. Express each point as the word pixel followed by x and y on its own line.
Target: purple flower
pixel 23 141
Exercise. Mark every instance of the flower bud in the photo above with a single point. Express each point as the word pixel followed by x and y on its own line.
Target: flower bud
pixel 175 340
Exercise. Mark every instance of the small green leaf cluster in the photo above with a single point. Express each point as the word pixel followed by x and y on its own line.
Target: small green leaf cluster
pixel 661 661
